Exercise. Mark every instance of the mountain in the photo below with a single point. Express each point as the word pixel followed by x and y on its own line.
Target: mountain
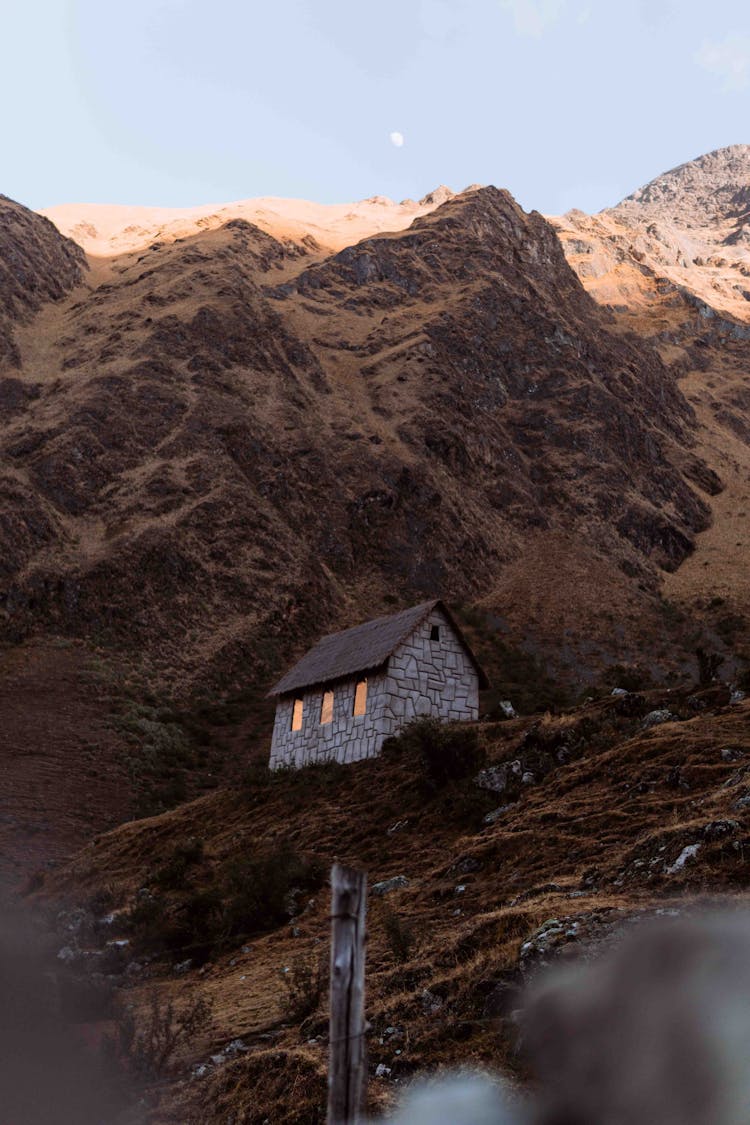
pixel 670 263
pixel 225 444
pixel 104 230
pixel 686 232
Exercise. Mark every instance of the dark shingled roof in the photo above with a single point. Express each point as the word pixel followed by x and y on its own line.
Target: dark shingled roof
pixel 362 649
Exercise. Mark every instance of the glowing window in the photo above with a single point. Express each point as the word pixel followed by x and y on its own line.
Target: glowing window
pixel 435 633
pixel 326 711
pixel 360 698
pixel 297 715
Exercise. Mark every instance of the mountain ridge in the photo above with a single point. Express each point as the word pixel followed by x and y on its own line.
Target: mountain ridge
pixel 440 390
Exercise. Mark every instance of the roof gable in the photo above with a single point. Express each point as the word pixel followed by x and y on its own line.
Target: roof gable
pixel 361 649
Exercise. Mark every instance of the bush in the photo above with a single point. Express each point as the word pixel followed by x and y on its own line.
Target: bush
pixel 708 666
pixel 261 890
pixel 172 875
pixel 447 752
pixel 305 984
pixel 149 1048
pixel 250 896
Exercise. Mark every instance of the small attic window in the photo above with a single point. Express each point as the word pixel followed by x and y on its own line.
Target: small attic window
pixel 435 633
pixel 360 698
pixel 297 714
pixel 326 710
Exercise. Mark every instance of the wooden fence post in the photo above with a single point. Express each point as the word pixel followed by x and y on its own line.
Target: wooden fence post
pixel 347 1065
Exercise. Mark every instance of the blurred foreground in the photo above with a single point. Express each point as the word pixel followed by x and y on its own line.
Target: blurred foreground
pixel 657 1032
pixel 49 1074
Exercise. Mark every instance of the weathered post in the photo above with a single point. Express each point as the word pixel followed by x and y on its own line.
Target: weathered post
pixel 347 1066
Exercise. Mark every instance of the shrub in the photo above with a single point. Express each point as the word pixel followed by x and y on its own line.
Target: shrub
pixel 146 920
pixel 305 985
pixel 250 895
pixel 708 666
pixel 149 1049
pixel 172 875
pixel 261 889
pixel 447 752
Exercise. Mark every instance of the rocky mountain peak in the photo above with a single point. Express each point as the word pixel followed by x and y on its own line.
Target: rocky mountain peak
pixel 440 195
pixel 713 187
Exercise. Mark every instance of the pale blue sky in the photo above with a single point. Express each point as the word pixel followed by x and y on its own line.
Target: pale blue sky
pixel 178 102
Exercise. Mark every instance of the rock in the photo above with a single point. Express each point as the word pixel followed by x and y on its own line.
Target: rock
pixel 397 827
pixel 528 778
pixel 718 828
pixel 539 943
pixel 236 1047
pixel 431 1004
pixel 497 778
pixel 387 885
pixel 730 754
pixel 467 865
pixel 507 709
pixel 496 814
pixel 183 966
pixel 619 691
pixel 655 718
pixel 689 852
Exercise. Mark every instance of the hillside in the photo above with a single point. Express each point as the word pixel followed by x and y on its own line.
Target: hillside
pixel 616 817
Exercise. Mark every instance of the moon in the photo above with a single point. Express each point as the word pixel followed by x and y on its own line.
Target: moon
pixel 397 140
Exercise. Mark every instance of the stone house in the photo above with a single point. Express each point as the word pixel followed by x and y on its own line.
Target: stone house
pixel 354 689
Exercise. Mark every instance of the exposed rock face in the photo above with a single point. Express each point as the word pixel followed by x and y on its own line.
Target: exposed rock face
pixel 672 262
pixel 232 445
pixel 685 234
pixel 715 189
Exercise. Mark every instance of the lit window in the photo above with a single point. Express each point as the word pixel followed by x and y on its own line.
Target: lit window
pixel 360 698
pixel 297 715
pixel 435 633
pixel 326 711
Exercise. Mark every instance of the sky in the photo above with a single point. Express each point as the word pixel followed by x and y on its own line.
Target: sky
pixel 567 103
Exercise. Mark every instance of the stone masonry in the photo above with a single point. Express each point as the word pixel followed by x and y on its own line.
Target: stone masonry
pixel 422 677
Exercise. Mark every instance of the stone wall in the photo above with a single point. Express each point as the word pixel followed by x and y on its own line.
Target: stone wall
pixel 347 738
pixel 423 677
pixel 432 677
